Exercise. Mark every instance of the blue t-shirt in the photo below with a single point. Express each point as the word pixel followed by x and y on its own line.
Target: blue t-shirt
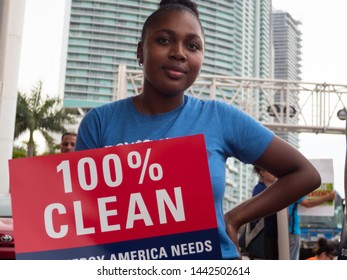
pixel 294 218
pixel 228 133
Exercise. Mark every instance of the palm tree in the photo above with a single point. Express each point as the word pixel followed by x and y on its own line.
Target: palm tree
pixel 37 114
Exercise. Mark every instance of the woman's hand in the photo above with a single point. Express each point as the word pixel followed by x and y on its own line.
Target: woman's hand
pixel 232 229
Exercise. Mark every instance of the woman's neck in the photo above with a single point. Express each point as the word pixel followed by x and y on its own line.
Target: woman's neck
pixel 153 105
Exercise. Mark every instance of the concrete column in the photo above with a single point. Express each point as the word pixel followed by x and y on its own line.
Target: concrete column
pixel 11 28
pixel 283 235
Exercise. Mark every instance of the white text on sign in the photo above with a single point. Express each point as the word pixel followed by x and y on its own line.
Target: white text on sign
pixel 112 170
pixel 112 174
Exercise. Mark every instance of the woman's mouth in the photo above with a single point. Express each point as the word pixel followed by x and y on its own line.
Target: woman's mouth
pixel 175 72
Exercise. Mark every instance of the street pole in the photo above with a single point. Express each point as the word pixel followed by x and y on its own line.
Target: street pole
pixel 345 178
pixel 342 253
pixel 283 235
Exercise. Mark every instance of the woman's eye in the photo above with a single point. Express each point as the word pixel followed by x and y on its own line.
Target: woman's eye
pixel 193 46
pixel 163 41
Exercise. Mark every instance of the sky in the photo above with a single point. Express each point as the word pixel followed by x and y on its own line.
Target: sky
pixel 324 58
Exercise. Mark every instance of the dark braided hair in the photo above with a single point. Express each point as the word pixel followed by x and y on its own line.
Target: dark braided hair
pixel 324 246
pixel 172 5
pixel 186 3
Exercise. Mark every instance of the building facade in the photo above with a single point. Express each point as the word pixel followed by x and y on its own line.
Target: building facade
pixel 103 34
pixel 287 62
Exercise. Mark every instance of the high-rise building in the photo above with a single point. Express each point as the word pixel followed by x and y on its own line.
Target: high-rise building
pixel 103 34
pixel 286 38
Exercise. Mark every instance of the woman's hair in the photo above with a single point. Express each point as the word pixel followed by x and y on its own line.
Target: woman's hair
pixel 256 170
pixel 166 6
pixel 328 249
pixel 322 242
pixel 325 247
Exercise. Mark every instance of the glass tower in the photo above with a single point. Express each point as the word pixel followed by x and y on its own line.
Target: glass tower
pixel 287 61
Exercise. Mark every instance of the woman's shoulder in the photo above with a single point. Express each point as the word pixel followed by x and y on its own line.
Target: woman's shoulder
pixel 111 106
pixel 220 108
pixel 215 103
pixel 115 104
pixel 108 110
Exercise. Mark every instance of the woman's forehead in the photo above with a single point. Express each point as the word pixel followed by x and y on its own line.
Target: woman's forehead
pixel 175 20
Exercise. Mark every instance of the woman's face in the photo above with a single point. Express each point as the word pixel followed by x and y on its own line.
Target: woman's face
pixel 172 53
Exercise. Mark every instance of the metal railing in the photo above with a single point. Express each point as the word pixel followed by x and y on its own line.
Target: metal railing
pixel 281 105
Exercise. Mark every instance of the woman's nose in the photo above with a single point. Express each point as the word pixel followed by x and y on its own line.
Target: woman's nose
pixel 178 52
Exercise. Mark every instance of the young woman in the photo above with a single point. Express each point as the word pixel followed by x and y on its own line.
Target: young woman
pixel 171 52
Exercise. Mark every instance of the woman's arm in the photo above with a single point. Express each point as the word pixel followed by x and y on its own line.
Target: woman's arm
pixel 296 178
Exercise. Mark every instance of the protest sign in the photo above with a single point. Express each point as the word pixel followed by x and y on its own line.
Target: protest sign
pixel 150 200
pixel 326 171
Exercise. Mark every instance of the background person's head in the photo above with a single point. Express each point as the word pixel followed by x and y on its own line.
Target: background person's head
pixel 326 250
pixel 68 142
pixel 264 176
pixel 171 49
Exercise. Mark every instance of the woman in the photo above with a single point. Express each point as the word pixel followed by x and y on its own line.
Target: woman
pixel 171 52
pixel 325 251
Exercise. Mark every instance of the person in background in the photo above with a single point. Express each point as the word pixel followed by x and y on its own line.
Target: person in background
pixel 325 251
pixel 270 222
pixel 294 221
pixel 68 142
pixel 171 52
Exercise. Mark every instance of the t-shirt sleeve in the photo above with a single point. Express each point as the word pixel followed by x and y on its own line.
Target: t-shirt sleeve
pixel 245 138
pixel 88 136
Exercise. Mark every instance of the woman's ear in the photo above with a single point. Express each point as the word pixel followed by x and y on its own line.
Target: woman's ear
pixel 139 53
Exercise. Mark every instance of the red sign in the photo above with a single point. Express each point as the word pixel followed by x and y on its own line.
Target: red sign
pixel 150 200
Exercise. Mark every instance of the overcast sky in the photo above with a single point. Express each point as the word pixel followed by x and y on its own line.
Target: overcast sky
pixel 324 57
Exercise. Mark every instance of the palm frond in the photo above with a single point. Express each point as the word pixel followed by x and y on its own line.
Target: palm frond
pixel 35 113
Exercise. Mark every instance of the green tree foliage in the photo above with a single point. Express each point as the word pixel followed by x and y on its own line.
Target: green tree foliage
pixel 45 115
pixel 19 152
